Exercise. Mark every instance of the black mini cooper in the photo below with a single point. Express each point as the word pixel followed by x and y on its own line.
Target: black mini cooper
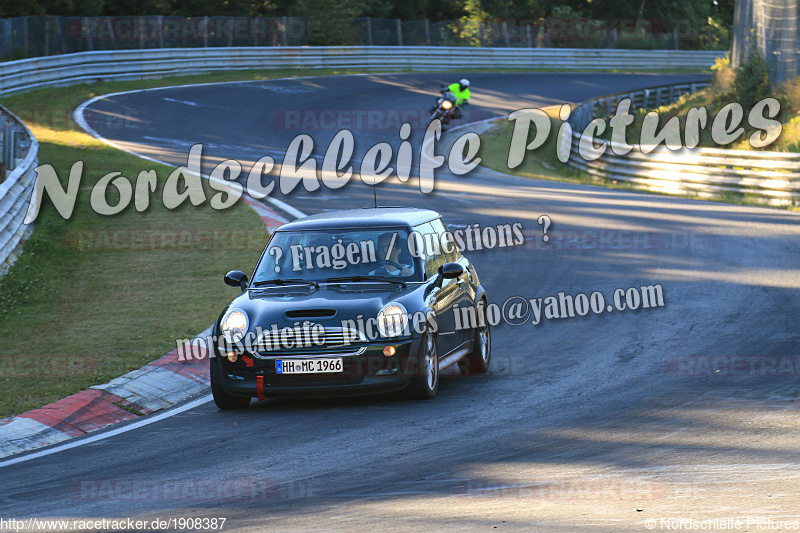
pixel 351 302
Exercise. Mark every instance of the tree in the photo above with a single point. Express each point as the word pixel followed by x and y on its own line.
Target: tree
pixel 328 22
pixel 195 8
pixel 445 9
pixel 514 9
pixel 24 8
pixel 20 8
pixel 410 10
pixel 135 7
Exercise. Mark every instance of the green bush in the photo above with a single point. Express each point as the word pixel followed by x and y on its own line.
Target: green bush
pixel 752 81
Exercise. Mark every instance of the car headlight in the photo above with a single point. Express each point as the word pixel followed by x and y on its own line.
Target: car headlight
pixel 234 325
pixel 392 320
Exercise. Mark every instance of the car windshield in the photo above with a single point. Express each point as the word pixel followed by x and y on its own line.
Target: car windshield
pixel 324 254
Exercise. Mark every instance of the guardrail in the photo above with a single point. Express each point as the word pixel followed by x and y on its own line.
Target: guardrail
pixel 771 178
pixel 18 160
pixel 82 67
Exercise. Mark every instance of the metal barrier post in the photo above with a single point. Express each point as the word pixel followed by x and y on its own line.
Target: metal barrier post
pixel 399 32
pixel 3 171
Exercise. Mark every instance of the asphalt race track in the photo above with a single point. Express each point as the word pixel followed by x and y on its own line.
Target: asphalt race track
pixel 595 423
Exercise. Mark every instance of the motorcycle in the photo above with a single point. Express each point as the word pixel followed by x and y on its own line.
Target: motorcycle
pixel 444 107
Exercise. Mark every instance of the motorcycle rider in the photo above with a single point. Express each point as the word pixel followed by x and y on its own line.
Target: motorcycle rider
pixel 460 90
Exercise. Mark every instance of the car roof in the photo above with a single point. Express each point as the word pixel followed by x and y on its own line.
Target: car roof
pixel 363 218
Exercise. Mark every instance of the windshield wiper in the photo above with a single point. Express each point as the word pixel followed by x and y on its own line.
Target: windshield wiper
pixel 286 281
pixel 365 278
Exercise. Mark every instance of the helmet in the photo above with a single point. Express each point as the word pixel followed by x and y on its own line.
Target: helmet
pixel 464 82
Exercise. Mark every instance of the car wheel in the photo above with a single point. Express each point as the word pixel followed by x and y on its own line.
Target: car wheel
pixel 477 362
pixel 425 382
pixel 224 400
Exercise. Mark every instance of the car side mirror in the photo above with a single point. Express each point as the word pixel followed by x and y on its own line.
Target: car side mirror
pixel 236 278
pixel 450 270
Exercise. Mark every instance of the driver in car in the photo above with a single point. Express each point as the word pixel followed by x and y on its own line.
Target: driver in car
pixel 386 257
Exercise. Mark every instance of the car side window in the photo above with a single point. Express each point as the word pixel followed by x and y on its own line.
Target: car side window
pixel 429 248
pixel 446 238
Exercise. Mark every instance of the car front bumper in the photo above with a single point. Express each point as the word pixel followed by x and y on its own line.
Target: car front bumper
pixel 369 372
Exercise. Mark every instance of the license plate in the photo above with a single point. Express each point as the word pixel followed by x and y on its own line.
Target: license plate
pixel 308 366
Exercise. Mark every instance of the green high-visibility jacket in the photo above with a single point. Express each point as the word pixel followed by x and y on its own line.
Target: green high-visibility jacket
pixel 461 96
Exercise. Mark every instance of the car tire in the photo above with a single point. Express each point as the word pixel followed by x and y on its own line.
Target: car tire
pixel 425 381
pixel 478 360
pixel 224 400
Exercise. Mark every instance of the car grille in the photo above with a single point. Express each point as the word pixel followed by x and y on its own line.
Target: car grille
pixel 339 341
